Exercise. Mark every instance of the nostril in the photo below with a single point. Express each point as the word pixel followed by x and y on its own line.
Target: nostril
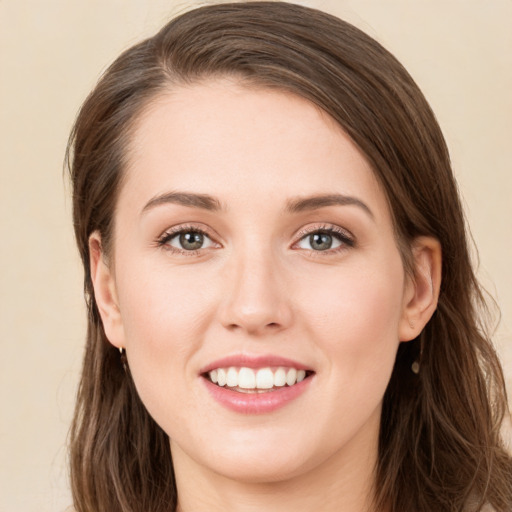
pixel 254 327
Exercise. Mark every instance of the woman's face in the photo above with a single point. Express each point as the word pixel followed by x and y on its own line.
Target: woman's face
pixel 251 233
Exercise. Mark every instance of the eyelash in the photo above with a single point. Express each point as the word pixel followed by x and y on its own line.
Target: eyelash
pixel 347 240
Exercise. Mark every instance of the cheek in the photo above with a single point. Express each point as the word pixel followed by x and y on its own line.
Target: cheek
pixel 159 302
pixel 163 316
pixel 355 319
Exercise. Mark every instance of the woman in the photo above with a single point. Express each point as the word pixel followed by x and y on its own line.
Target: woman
pixel 282 310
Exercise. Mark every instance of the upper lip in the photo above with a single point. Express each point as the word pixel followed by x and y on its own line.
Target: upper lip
pixel 253 361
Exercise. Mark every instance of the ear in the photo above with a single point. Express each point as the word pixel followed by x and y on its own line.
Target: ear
pixel 105 292
pixel 421 289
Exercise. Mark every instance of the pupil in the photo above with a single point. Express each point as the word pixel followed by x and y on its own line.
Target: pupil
pixel 191 241
pixel 320 241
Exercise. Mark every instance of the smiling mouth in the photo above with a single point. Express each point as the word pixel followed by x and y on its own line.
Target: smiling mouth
pixel 262 380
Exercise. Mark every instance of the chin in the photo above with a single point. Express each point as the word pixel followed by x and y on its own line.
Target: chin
pixel 260 471
pixel 262 461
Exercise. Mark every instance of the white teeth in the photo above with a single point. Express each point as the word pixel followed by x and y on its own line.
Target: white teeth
pixel 232 378
pixel 221 377
pixel 264 378
pixel 291 377
pixel 246 378
pixel 280 377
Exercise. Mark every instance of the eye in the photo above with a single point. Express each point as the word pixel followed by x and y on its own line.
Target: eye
pixel 187 240
pixel 319 241
pixel 325 239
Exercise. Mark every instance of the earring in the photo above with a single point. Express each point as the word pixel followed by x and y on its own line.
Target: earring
pixel 124 360
pixel 415 366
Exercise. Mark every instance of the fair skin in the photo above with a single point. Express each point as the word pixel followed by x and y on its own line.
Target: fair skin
pixel 320 282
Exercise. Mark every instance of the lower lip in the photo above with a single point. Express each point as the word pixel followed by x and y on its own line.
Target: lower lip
pixel 256 403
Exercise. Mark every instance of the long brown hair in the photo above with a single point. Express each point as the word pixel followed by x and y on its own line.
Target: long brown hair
pixel 440 446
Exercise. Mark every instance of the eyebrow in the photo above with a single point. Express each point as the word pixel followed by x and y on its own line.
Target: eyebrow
pixel 301 204
pixel 203 201
pixel 321 201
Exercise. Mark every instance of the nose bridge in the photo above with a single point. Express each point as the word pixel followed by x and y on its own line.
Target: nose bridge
pixel 256 299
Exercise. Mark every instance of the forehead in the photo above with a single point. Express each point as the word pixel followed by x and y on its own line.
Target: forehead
pixel 237 142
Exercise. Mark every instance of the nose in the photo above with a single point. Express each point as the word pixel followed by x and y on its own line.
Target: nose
pixel 257 299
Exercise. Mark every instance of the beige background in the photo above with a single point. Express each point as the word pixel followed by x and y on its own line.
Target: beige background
pixel 51 53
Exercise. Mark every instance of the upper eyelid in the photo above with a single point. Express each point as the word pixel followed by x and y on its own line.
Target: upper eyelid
pixel 183 228
pixel 331 228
